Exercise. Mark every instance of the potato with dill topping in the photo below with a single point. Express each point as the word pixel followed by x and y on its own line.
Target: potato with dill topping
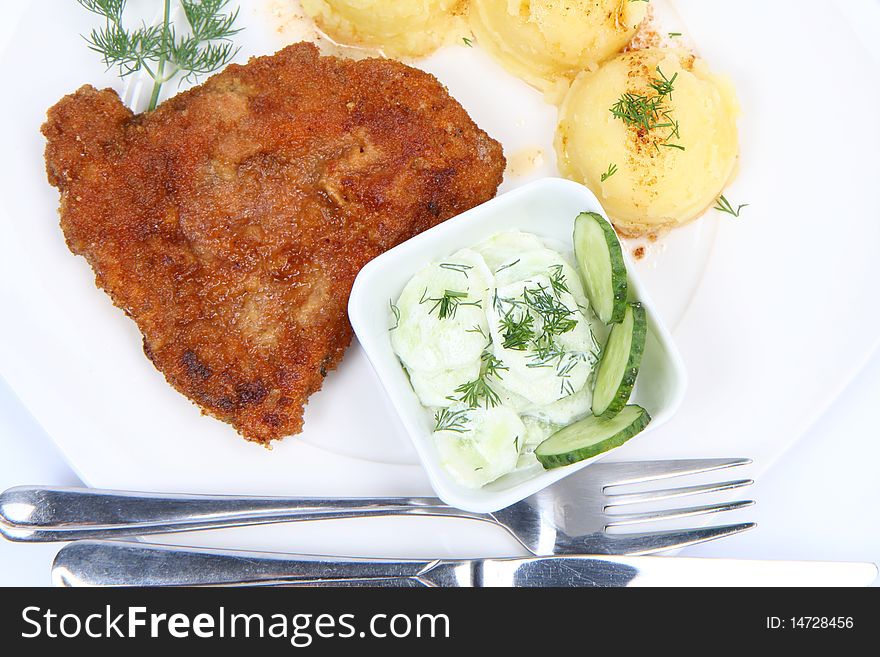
pixel 653 134
pixel 407 28
pixel 546 42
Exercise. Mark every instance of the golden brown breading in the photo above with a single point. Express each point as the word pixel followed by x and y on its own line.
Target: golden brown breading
pixel 230 222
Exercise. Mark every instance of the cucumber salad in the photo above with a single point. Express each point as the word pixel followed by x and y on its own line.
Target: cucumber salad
pixel 525 360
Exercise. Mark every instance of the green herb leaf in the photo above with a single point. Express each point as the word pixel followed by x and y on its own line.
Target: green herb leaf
pixel 161 50
pixel 612 169
pixel 447 305
pixel 454 266
pixel 723 205
pixel 650 112
pixel 446 420
pixel 478 392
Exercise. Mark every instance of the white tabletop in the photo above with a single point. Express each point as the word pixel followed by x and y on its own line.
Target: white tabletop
pixel 819 502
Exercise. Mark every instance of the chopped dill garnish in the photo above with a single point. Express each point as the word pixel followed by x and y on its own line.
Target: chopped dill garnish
pixel 477 391
pixel 467 42
pixel 565 370
pixel 612 169
pixel 663 85
pixel 454 266
pixel 650 112
pixel 556 316
pixel 476 328
pixel 396 312
pixel 516 333
pixel 548 352
pixel 557 280
pixel 674 34
pixel 474 391
pixel 447 420
pixel 724 205
pixel 507 266
pixel 447 305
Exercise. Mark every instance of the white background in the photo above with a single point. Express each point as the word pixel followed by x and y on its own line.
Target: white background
pixel 818 502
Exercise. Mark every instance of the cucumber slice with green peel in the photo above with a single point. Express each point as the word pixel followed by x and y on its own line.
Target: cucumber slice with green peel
pixel 591 436
pixel 600 259
pixel 619 365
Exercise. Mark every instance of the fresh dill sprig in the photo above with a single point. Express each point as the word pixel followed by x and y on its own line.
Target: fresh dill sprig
pixel 650 112
pixel 674 34
pixel 454 266
pixel 519 319
pixel 724 205
pixel 396 312
pixel 638 110
pixel 161 50
pixel 446 420
pixel 447 305
pixel 548 352
pixel 478 391
pixel 565 370
pixel 612 169
pixel 663 86
pixel 467 42
pixel 557 318
pixel 516 333
pixel 557 280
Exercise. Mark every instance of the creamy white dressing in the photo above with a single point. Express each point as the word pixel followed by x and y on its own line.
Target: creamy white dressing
pixel 498 343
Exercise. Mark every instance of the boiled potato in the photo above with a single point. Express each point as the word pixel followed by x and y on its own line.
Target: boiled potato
pixel 547 42
pixel 656 186
pixel 404 28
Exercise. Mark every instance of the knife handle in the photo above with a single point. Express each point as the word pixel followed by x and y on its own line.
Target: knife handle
pixel 116 563
pixel 35 514
pixel 98 563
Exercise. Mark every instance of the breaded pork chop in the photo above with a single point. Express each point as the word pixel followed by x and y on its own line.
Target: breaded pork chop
pixel 230 223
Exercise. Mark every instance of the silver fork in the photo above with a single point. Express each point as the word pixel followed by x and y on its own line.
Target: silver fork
pixel 570 517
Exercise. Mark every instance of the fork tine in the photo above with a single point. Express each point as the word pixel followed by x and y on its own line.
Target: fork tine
pixel 633 472
pixel 621 499
pixel 616 520
pixel 650 542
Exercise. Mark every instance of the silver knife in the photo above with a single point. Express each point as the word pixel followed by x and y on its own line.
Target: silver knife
pixel 116 563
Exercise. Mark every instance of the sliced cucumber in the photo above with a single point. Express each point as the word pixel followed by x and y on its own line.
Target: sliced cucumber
pixel 435 388
pixel 505 248
pixel 619 366
pixel 428 340
pixel 600 259
pixel 526 373
pixel 566 410
pixel 591 436
pixel 481 448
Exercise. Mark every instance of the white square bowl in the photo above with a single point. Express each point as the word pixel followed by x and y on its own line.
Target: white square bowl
pixel 546 208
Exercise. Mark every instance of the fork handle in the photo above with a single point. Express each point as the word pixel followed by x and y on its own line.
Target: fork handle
pixel 113 563
pixel 36 514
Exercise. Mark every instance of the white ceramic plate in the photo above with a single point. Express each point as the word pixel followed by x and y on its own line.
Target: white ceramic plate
pixel 547 208
pixel 773 313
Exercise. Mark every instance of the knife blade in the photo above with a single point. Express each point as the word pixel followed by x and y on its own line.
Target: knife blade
pixel 117 563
